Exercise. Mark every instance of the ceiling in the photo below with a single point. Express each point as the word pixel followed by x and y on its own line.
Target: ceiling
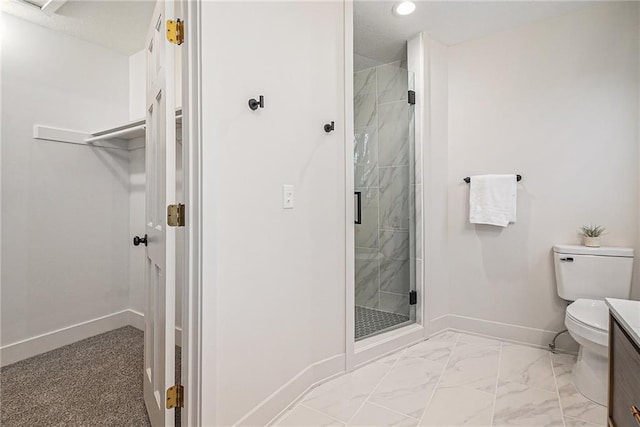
pixel 119 25
pixel 380 36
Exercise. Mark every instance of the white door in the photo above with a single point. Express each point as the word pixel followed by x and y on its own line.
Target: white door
pixel 159 338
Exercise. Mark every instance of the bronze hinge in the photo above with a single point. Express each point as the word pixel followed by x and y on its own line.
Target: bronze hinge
pixel 175 32
pixel 175 215
pixel 175 397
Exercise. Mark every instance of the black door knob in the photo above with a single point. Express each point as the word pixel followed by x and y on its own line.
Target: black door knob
pixel 137 240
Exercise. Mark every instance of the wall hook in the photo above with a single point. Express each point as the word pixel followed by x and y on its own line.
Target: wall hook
pixel 253 104
pixel 329 127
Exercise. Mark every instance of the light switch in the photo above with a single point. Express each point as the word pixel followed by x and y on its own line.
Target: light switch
pixel 287 196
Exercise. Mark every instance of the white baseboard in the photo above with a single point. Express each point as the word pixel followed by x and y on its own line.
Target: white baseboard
pixel 273 407
pixel 20 350
pixel 378 346
pixel 136 319
pixel 508 332
pixel 437 325
pixel 268 411
pixel 279 401
pixel 30 347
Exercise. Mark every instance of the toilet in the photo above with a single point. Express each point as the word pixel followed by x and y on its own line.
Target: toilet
pixel 587 276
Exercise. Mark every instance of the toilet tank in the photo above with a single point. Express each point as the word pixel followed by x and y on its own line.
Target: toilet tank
pixel 595 273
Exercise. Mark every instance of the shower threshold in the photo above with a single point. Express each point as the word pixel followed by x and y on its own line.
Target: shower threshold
pixel 371 322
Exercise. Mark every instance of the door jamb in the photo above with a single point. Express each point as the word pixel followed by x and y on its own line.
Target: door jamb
pixel 191 414
pixel 349 189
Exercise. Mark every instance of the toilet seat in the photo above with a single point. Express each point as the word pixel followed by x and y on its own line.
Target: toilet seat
pixel 588 319
pixel 591 312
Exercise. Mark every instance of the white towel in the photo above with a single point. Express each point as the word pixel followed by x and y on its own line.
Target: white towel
pixel 492 199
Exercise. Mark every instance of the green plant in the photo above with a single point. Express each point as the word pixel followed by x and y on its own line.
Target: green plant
pixel 592 230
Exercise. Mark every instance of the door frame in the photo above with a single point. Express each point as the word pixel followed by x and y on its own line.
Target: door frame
pixel 350 256
pixel 377 346
pixel 191 378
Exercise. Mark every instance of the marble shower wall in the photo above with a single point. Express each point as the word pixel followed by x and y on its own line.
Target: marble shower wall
pixel 384 157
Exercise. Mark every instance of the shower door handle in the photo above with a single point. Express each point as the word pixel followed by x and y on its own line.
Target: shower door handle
pixel 358 195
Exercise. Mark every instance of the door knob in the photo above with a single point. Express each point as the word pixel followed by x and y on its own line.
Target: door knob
pixel 137 240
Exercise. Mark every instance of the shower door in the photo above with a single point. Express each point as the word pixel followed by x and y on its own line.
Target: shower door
pixel 385 230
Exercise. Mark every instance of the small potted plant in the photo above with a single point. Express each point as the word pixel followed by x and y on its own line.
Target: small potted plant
pixel 591 235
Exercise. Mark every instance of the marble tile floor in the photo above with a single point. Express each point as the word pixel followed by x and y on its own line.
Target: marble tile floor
pixel 452 379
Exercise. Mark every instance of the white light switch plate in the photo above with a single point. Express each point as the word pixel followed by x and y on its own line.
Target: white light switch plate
pixel 287 196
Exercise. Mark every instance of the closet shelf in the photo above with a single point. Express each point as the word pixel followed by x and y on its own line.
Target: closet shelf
pixel 119 137
pixel 128 131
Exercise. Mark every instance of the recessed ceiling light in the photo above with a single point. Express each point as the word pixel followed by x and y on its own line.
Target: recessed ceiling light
pixel 404 8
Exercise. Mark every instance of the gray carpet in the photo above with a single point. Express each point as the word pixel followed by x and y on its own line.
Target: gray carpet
pixel 93 382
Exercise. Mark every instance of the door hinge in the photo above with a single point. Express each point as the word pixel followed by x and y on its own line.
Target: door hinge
pixel 175 397
pixel 411 97
pixel 175 31
pixel 175 215
pixel 413 298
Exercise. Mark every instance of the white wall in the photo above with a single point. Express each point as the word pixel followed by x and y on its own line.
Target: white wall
pixel 273 280
pixel 137 293
pixel 137 85
pixel 557 102
pixel 137 182
pixel 64 206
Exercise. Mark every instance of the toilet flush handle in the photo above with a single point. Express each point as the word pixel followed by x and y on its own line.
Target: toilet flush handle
pixel 567 259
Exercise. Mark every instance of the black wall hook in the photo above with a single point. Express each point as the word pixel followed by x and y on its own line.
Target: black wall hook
pixel 329 127
pixel 253 104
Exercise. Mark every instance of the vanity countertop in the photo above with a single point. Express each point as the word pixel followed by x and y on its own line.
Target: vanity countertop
pixel 627 312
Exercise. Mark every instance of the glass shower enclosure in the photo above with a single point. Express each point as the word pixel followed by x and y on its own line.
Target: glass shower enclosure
pixel 385 230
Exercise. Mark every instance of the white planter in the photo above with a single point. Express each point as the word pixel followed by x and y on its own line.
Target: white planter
pixel 592 242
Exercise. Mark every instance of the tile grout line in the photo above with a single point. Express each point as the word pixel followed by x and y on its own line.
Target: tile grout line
pixel 457 341
pixel 555 381
pixel 316 411
pixel 586 423
pixel 390 410
pixel 495 391
pixel 394 102
pixel 376 386
pixel 532 387
pixel 455 344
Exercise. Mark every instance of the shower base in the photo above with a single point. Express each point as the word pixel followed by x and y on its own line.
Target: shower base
pixel 372 322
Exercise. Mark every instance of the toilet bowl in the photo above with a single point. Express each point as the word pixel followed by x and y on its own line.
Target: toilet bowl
pixel 587 276
pixel 587 321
